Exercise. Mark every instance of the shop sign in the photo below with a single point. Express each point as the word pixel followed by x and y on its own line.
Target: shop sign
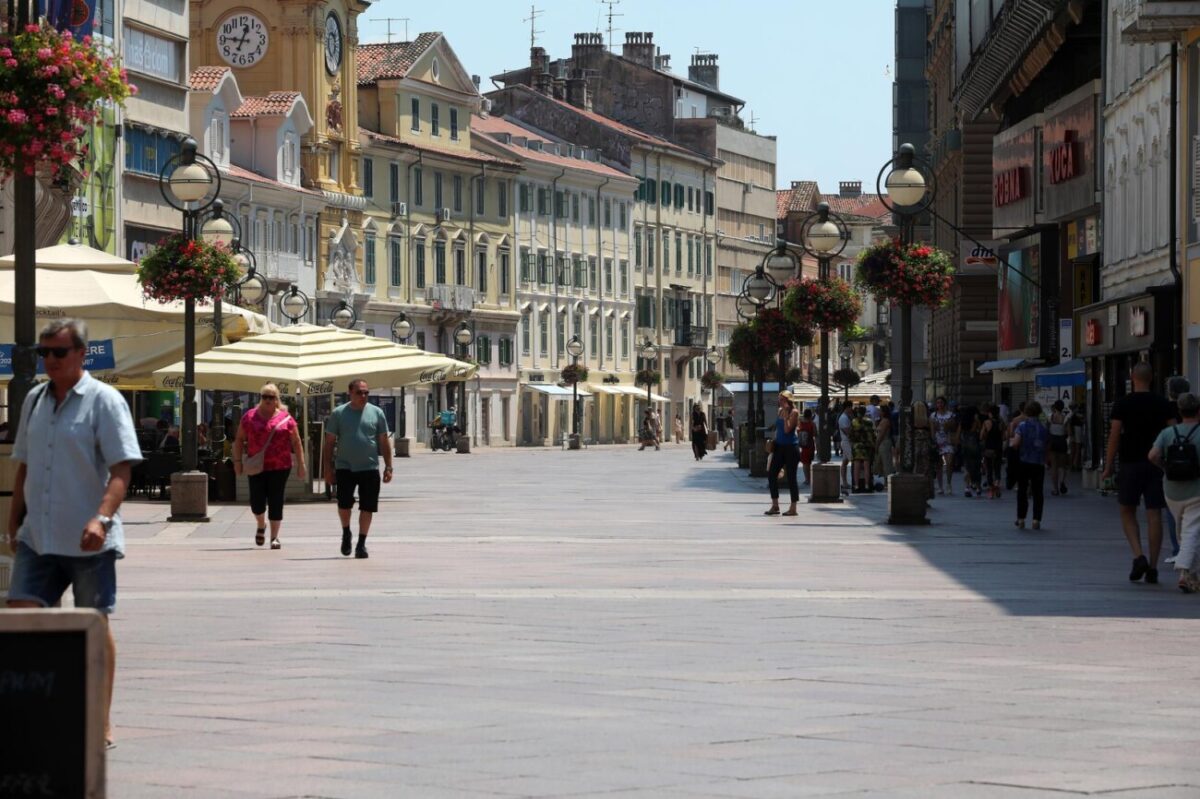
pixel 100 355
pixel 1064 164
pixel 1066 340
pixel 1137 321
pixel 1094 335
pixel 1009 187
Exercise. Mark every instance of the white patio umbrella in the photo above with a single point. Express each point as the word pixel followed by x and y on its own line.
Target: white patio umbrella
pixel 101 289
pixel 314 361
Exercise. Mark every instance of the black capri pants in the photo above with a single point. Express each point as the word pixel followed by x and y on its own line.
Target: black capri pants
pixel 266 492
pixel 786 457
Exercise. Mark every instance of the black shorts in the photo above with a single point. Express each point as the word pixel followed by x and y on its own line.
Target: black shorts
pixel 1137 480
pixel 367 483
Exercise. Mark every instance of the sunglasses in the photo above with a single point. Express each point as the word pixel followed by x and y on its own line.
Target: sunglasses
pixel 363 393
pixel 57 352
pixel 270 396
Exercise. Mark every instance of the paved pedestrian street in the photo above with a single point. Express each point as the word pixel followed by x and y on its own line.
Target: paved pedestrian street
pixel 542 623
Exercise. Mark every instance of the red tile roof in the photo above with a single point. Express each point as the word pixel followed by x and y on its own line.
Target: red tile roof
pixel 465 155
pixel 206 79
pixel 800 197
pixel 391 60
pixel 245 174
pixel 494 127
pixel 864 205
pixel 275 104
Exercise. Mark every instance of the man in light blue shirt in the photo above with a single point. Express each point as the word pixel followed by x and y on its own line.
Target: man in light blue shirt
pixel 357 431
pixel 63 525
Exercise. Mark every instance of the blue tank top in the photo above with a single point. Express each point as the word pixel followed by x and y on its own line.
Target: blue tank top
pixel 784 437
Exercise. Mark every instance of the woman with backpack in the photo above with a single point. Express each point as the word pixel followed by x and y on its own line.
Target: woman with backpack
pixel 806 433
pixel 1031 439
pixel 785 455
pixel 1177 452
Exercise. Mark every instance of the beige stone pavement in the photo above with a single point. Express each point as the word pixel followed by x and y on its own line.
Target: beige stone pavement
pixel 622 624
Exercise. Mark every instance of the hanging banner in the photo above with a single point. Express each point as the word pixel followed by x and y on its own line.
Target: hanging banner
pixel 76 16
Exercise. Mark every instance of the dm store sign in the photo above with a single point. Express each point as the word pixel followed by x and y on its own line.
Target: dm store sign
pixel 99 356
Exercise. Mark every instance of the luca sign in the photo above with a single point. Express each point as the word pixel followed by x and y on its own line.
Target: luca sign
pixel 100 356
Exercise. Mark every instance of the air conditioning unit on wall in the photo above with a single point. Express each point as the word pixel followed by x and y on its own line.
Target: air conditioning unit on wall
pixel 399 209
pixel 443 215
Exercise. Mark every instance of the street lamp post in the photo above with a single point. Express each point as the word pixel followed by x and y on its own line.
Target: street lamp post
pixel 343 316
pixel 908 190
pixel 575 349
pixel 713 356
pixel 294 305
pixel 401 331
pixel 824 236
pixel 220 230
pixel 463 336
pixel 648 351
pixel 846 352
pixel 190 183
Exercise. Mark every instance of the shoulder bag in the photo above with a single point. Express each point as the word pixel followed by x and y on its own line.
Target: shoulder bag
pixel 253 464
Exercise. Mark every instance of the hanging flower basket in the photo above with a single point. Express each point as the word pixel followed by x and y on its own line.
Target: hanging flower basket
pixel 755 345
pixel 180 269
pixel 913 274
pixel 648 377
pixel 712 380
pixel 829 304
pixel 846 378
pixel 50 84
pixel 574 374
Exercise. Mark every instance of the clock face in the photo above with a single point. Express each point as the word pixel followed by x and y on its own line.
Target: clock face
pixel 333 43
pixel 242 40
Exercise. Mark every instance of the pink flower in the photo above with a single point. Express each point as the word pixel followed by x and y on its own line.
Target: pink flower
pixel 44 53
pixel 17 117
pixel 5 52
pixel 11 63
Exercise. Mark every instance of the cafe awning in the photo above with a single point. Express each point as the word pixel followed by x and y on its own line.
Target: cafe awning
pixel 316 360
pixel 1067 373
pixel 556 391
pixel 1005 365
pixel 134 335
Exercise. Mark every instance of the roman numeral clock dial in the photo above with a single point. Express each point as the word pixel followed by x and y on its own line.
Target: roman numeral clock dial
pixel 242 40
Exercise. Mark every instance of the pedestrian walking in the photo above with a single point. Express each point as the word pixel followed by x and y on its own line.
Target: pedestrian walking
pixel 1012 456
pixel 647 435
pixel 992 434
pixel 1077 425
pixel 862 450
pixel 944 425
pixel 806 435
pixel 266 447
pixel 658 427
pixel 885 462
pixel 1176 387
pixel 357 431
pixel 730 429
pixel 785 454
pixel 971 446
pixel 75 450
pixel 678 429
pixel 843 429
pixel 925 452
pixel 1137 419
pixel 1031 439
pixel 699 432
pixel 1059 448
pixel 1177 452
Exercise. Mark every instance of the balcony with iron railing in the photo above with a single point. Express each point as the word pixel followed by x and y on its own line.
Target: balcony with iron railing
pixel 450 297
pixel 281 266
pixel 691 336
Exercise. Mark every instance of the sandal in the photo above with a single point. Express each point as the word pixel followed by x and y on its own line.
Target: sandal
pixel 771 512
pixel 260 536
pixel 275 543
pixel 789 513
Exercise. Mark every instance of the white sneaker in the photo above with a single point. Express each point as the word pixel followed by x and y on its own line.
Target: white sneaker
pixel 1170 560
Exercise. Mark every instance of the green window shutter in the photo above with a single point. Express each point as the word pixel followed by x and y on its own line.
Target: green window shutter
pixel 666 193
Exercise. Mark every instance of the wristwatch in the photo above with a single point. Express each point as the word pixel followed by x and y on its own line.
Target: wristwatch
pixel 105 521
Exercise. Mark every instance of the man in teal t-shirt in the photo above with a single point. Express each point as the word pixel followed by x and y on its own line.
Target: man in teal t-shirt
pixel 1183 496
pixel 358 432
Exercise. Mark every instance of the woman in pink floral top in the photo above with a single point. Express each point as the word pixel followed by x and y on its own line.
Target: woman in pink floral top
pixel 270 426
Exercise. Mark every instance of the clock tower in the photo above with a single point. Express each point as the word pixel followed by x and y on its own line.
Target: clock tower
pixel 309 47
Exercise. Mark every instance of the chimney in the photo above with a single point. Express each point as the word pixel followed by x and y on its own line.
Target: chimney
pixel 587 49
pixel 704 70
pixel 475 79
pixel 639 48
pixel 539 62
pixel 577 90
pixel 662 62
pixel 558 88
pixel 850 188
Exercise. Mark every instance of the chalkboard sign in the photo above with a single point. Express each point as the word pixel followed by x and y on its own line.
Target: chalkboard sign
pixel 51 678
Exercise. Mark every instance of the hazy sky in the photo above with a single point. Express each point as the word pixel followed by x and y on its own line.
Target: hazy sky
pixel 815 74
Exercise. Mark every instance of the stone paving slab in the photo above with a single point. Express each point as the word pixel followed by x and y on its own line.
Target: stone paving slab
pixel 541 623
